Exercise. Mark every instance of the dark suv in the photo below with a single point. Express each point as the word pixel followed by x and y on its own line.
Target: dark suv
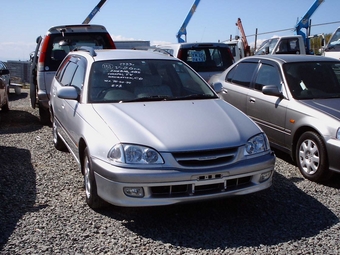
pixel 52 49
pixel 208 59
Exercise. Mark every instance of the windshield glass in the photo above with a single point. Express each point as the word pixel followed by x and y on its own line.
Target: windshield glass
pixel 334 42
pixel 312 80
pixel 268 43
pixel 145 80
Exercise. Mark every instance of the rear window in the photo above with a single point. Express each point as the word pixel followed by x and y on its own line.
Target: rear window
pixel 59 46
pixel 207 59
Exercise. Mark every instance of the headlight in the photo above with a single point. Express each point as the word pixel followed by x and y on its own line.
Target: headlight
pixel 338 134
pixel 134 154
pixel 256 144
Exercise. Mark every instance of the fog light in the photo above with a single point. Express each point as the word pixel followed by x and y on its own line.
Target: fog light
pixel 265 176
pixel 134 191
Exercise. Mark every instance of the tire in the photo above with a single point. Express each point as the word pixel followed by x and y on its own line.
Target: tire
pixel 92 198
pixel 311 157
pixel 44 115
pixel 5 107
pixel 57 141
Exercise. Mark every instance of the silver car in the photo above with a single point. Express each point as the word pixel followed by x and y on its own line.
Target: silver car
pixel 147 130
pixel 295 99
pixel 4 87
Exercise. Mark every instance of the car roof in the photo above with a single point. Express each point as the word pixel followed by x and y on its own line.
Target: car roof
pixel 197 44
pixel 77 28
pixel 111 54
pixel 288 58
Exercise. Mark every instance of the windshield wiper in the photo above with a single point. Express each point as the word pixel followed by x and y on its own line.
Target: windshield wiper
pixel 195 96
pixel 149 98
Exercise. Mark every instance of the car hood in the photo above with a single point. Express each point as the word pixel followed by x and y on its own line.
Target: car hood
pixel 328 106
pixel 178 125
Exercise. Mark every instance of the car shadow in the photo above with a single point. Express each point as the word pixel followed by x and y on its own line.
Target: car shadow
pixel 17 189
pixel 333 182
pixel 14 96
pixel 18 121
pixel 276 215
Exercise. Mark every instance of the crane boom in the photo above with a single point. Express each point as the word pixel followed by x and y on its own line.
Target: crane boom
pixel 183 30
pixel 94 12
pixel 305 22
pixel 243 37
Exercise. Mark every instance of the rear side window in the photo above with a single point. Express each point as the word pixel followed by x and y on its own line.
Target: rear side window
pixel 59 46
pixel 242 74
pixel 207 59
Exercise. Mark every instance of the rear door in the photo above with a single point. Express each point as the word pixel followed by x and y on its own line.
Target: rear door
pixel 238 83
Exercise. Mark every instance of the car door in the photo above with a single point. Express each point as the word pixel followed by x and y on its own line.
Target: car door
pixel 71 74
pixel 267 110
pixel 237 84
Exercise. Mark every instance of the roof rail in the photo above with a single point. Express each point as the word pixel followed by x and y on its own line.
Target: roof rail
pixel 87 49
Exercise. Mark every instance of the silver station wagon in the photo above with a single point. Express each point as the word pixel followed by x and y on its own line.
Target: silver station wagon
pixel 147 130
pixel 295 99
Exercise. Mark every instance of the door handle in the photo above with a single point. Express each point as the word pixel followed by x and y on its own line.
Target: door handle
pixel 252 100
pixel 224 91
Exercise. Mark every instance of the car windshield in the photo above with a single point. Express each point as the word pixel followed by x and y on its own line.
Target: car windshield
pixel 313 80
pixel 334 42
pixel 145 80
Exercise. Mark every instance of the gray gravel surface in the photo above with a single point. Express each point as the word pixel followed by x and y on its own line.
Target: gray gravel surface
pixel 43 209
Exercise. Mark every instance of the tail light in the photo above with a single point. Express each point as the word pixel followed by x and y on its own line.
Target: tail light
pixel 112 44
pixel 180 53
pixel 42 54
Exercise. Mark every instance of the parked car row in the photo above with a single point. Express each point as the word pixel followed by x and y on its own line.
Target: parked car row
pixel 147 129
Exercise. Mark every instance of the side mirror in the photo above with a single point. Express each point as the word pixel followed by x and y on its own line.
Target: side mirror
pixel 39 38
pixel 267 50
pixel 68 92
pixel 4 71
pixel 217 87
pixel 271 90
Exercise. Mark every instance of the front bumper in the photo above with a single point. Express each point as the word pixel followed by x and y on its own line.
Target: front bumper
pixel 333 151
pixel 168 186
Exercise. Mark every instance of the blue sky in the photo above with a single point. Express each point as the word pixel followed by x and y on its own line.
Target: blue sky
pixel 157 21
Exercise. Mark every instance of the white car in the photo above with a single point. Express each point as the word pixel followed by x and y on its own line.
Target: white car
pixel 147 130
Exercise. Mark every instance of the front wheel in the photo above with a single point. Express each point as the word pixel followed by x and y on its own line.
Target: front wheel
pixel 92 198
pixel 44 115
pixel 311 157
pixel 5 107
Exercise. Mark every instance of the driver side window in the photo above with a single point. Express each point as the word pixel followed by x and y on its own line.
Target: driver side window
pixel 267 75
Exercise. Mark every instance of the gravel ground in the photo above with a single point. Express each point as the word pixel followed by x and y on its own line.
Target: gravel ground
pixel 43 209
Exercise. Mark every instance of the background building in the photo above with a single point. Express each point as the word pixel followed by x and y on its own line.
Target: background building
pixel 19 71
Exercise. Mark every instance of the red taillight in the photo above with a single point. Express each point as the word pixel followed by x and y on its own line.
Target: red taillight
pixel 180 53
pixel 112 44
pixel 42 54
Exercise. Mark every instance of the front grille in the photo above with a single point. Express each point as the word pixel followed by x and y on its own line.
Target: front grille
pixel 195 190
pixel 205 158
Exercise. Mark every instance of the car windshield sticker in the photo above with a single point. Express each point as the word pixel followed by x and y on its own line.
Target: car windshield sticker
pixel 123 73
pixel 197 56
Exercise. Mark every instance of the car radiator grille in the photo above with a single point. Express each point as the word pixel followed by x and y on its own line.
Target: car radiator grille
pixel 195 190
pixel 205 158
